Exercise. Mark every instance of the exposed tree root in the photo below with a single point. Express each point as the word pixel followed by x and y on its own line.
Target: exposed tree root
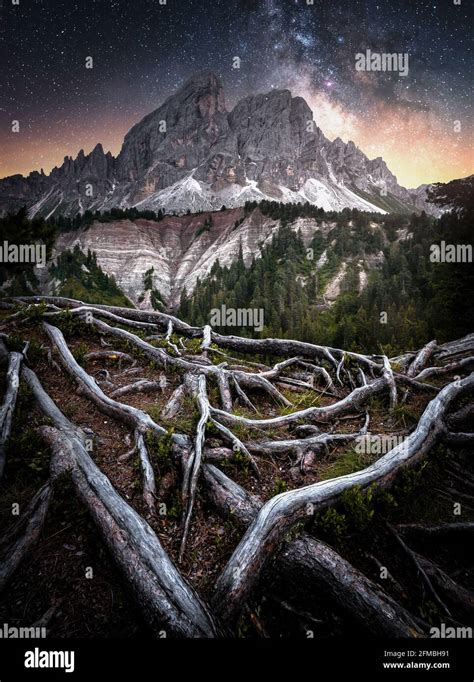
pixel 139 420
pixel 279 514
pixel 414 558
pixel 306 566
pixel 302 567
pixel 8 406
pixel 167 601
pixel 421 359
pixel 109 355
pixel 352 402
pixel 444 529
pixel 140 386
pixel 192 472
pixel 16 545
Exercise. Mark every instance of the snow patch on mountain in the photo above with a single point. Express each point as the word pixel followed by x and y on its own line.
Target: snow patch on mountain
pixel 190 194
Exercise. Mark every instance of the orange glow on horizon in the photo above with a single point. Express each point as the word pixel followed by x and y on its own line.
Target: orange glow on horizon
pixel 416 147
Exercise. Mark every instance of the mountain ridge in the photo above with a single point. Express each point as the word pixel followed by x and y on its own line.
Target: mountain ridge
pixel 193 153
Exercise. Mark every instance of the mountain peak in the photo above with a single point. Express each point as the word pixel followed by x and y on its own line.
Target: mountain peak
pixel 192 153
pixel 97 151
pixel 202 79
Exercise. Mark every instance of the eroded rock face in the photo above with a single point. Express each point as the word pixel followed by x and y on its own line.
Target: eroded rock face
pixel 192 153
pixel 178 248
pixel 183 249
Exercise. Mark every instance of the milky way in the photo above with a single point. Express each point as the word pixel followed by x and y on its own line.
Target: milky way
pixel 143 50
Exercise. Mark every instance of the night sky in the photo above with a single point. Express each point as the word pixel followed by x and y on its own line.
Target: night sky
pixel 143 51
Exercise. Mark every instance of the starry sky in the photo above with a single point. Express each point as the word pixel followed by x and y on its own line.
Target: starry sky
pixel 143 51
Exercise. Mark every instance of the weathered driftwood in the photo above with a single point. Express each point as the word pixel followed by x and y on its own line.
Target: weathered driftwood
pixel 280 513
pixel 8 406
pixel 306 568
pixel 168 602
